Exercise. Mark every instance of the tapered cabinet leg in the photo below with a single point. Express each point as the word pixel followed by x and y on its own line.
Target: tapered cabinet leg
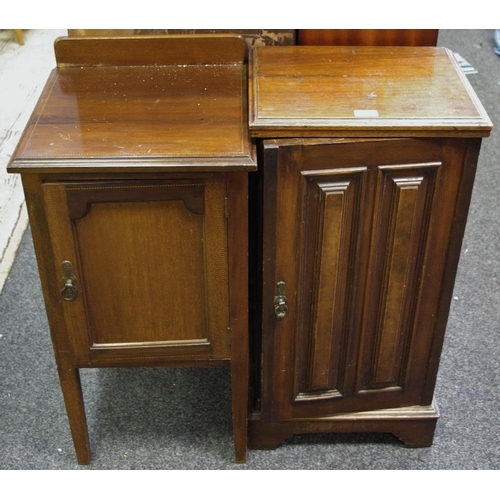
pixel 73 399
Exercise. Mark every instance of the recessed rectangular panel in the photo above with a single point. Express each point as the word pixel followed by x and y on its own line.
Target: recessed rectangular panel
pixel 327 278
pixel 397 277
pixel 401 223
pixel 144 270
pixel 330 214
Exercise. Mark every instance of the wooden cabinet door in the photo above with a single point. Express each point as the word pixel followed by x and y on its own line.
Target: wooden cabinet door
pixel 150 262
pixel 357 234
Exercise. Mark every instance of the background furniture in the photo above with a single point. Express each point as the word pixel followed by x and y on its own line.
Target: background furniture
pixel 253 38
pixel 275 36
pixel 368 37
pixel 19 36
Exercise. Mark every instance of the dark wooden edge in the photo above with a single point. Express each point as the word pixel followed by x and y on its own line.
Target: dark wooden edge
pixel 151 50
pixel 270 199
pixel 136 163
pixel 237 230
pixel 253 95
pixel 487 124
pixel 155 360
pixel 347 127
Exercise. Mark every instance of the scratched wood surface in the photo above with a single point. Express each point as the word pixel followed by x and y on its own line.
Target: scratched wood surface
pixel 23 72
pixel 361 92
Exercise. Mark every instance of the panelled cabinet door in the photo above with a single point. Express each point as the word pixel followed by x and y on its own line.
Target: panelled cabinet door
pixel 355 240
pixel 149 264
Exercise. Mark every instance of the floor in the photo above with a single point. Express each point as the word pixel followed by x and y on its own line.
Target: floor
pixel 23 72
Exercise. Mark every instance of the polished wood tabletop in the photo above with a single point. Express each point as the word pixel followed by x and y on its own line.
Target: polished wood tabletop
pixel 103 109
pixel 312 91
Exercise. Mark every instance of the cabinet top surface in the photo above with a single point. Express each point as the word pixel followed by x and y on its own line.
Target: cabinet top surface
pixel 390 91
pixel 111 109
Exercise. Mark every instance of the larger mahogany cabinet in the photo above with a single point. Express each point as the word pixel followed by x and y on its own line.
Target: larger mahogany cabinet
pixel 134 166
pixel 368 160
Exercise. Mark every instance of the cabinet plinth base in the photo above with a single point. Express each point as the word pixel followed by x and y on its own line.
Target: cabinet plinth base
pixel 413 425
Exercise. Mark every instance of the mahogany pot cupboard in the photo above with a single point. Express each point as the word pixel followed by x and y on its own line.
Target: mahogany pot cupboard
pixel 134 166
pixel 367 162
pixel 145 157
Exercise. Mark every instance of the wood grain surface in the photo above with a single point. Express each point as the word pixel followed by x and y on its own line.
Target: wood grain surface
pixel 372 91
pixel 135 176
pixel 176 114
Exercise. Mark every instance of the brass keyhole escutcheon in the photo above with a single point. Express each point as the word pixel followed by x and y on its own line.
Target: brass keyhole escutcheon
pixel 280 307
pixel 69 290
